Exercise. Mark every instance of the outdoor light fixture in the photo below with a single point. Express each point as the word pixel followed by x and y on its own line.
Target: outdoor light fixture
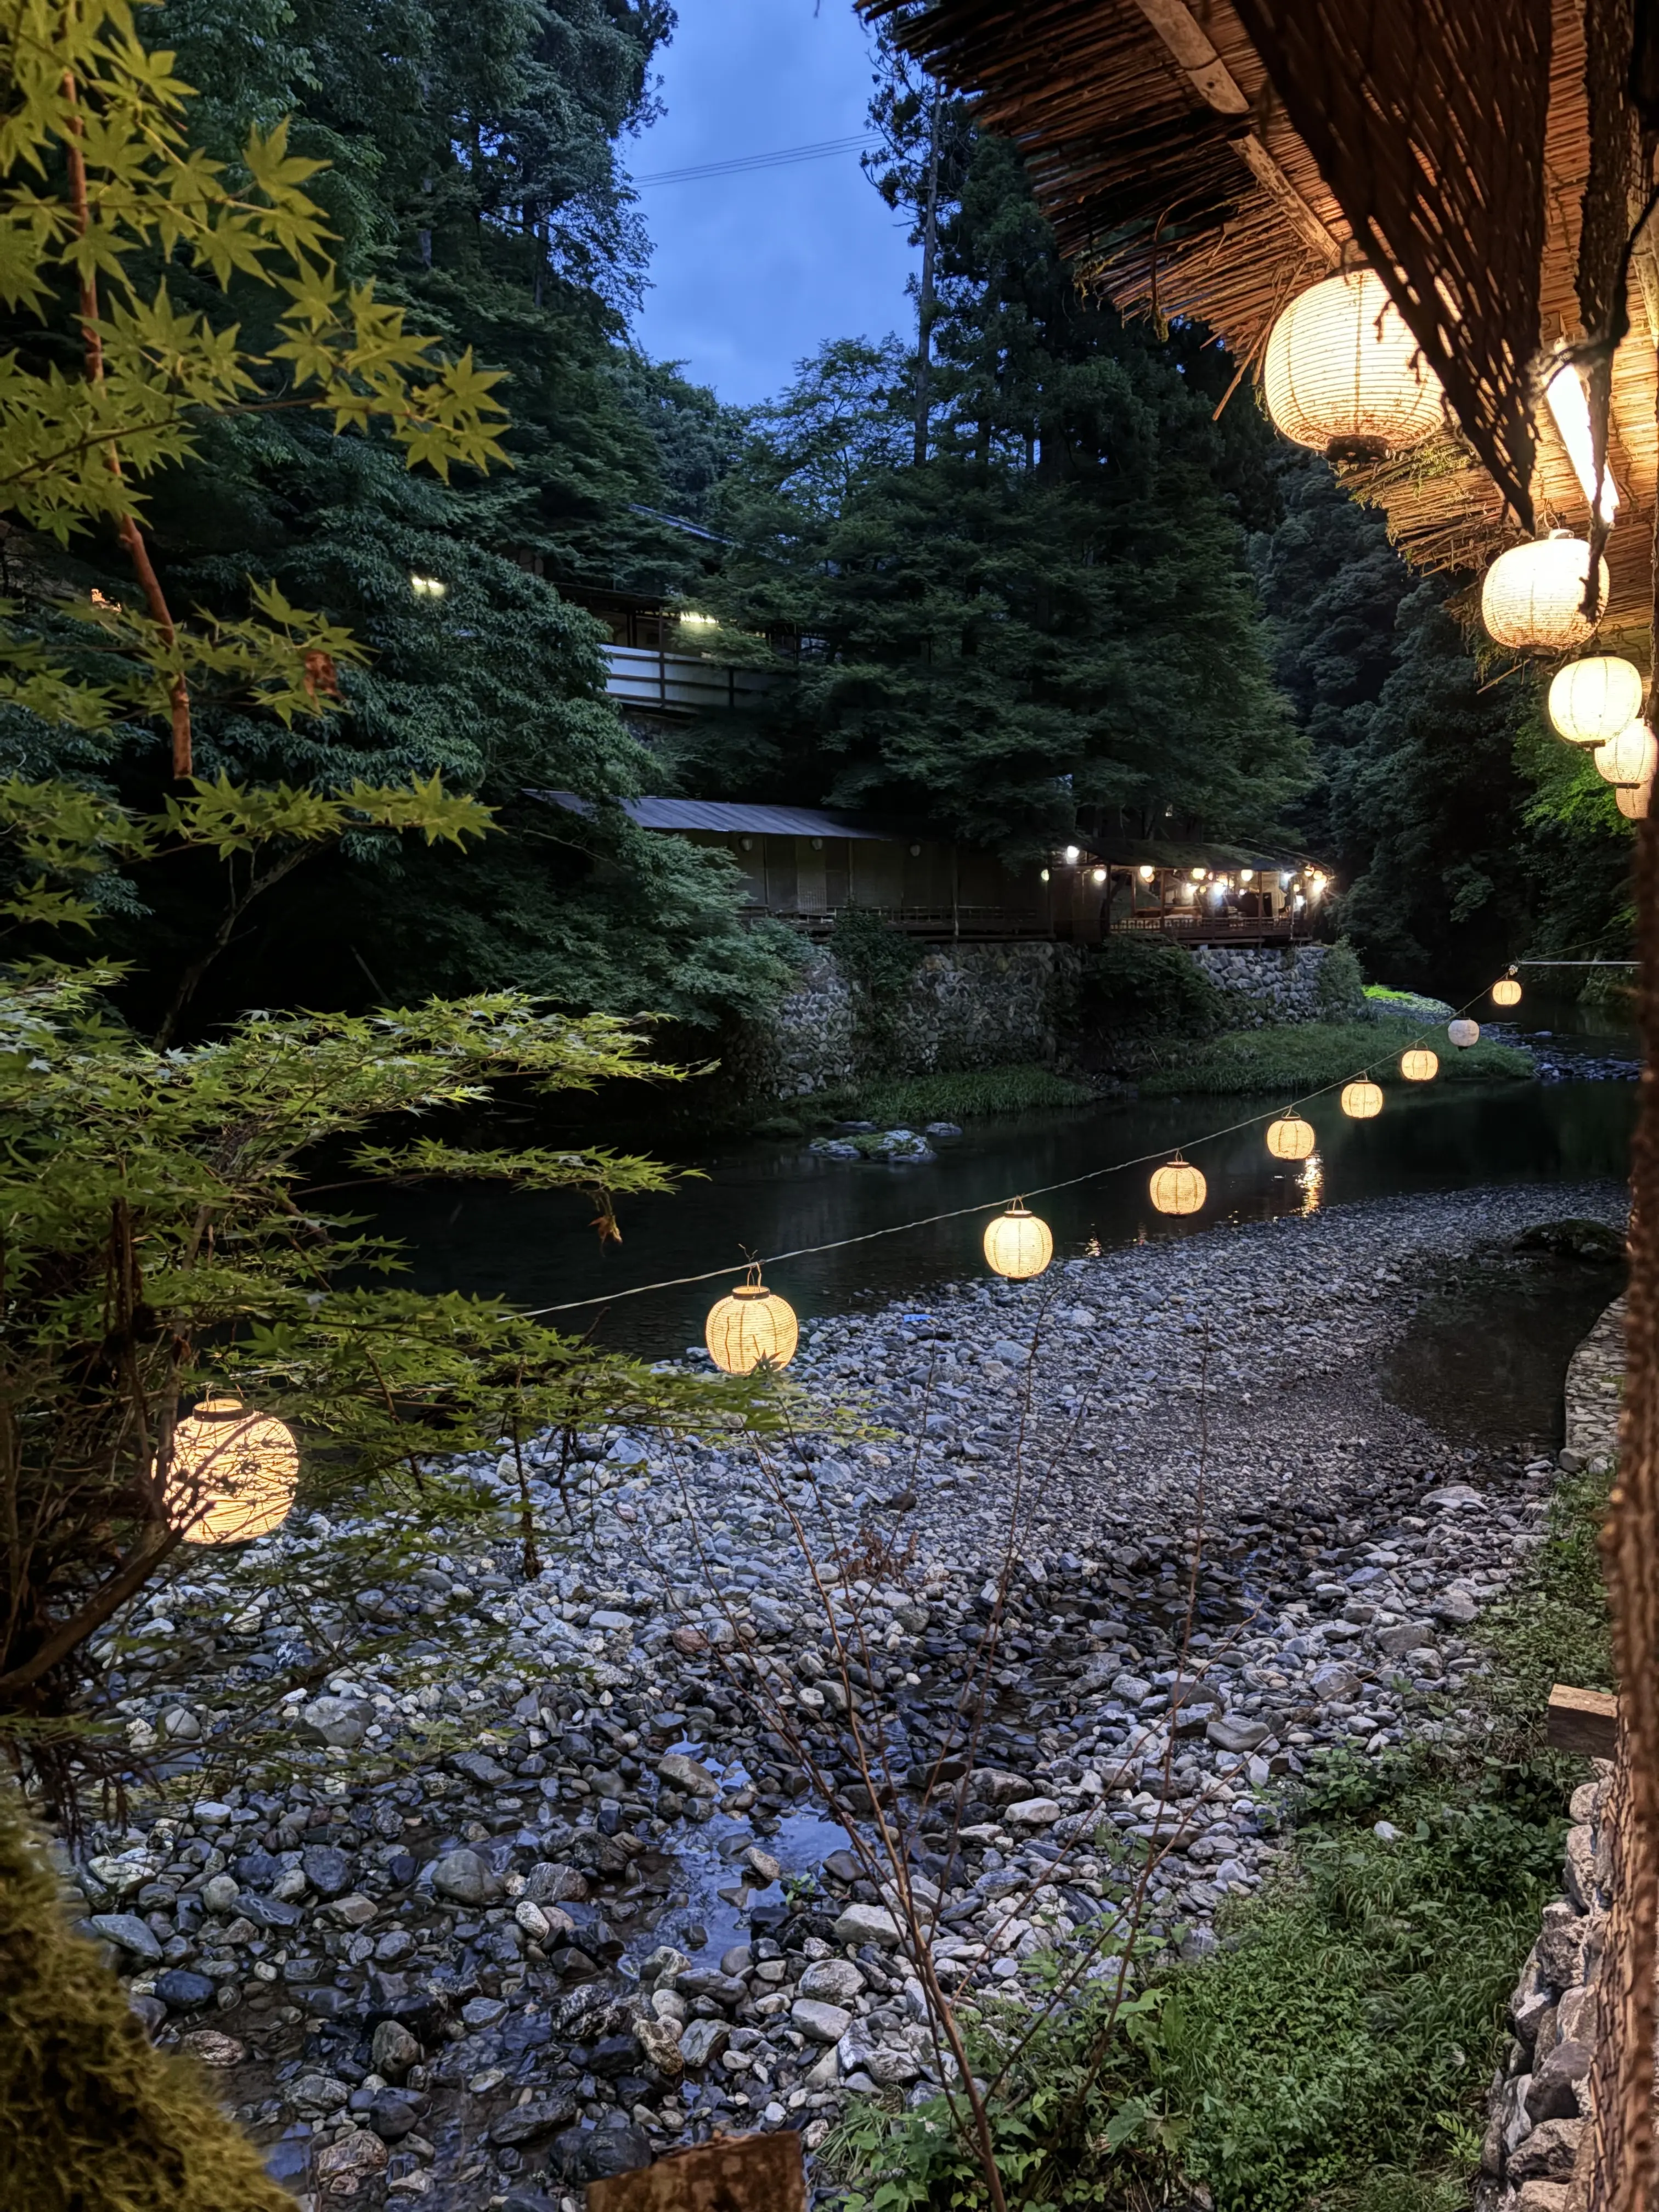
pixel 1291 1138
pixel 1343 374
pixel 1419 1065
pixel 698 622
pixel 1463 1033
pixel 1017 1244
pixel 1592 700
pixel 1570 406
pixel 427 587
pixel 1071 856
pixel 233 1474
pixel 750 1325
pixel 1178 1188
pixel 1506 992
pixel 1532 594
pixel 1361 1101
pixel 1145 873
pixel 1199 874
pixel 1043 875
pixel 1096 875
pixel 1247 875
pixel 1629 757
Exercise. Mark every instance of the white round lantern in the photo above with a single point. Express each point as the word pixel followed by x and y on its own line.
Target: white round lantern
pixel 1178 1187
pixel 1632 800
pixel 1019 1243
pixel 1592 700
pixel 1343 374
pixel 1506 991
pixel 233 1474
pixel 1533 594
pixel 749 1328
pixel 1629 757
pixel 1463 1033
pixel 1291 1138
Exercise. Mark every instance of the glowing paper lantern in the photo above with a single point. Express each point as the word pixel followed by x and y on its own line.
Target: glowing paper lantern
pixel 1343 374
pixel 1419 1065
pixel 1632 800
pixel 1361 1101
pixel 750 1324
pixel 1629 757
pixel 233 1474
pixel 1291 1138
pixel 1506 992
pixel 1532 594
pixel 1463 1034
pixel 1178 1187
pixel 1591 701
pixel 1017 1243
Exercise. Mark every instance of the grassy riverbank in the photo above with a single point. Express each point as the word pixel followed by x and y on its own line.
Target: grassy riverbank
pixel 911 1102
pixel 1310 1056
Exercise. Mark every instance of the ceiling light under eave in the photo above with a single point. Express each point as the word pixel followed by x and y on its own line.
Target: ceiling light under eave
pixel 1569 408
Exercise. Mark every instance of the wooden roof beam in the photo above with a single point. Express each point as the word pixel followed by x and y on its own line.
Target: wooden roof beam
pixel 1190 48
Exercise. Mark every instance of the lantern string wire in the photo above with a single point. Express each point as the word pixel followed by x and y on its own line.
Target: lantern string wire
pixel 1164 1153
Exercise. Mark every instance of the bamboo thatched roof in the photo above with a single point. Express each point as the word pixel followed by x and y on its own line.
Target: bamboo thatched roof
pixel 1159 149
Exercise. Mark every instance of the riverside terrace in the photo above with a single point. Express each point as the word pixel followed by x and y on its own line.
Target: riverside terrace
pixel 803 864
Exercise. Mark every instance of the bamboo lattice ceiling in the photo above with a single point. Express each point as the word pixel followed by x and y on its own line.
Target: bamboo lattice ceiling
pixel 1177 185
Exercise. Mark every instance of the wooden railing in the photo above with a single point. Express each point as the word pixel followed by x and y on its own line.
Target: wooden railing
pixel 1220 928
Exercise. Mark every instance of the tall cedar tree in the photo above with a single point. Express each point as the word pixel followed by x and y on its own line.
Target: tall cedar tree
pixel 474 172
pixel 1047 627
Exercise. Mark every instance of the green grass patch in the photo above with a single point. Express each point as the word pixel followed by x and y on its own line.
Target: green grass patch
pixel 1553 1625
pixel 1413 1006
pixel 1310 1055
pixel 961 1094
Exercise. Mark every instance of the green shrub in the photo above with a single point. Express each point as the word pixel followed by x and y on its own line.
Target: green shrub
pixel 874 957
pixel 91 2118
pixel 1139 985
pixel 961 1094
pixel 1341 984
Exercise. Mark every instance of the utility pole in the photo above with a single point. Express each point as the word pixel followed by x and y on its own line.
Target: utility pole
pixel 925 304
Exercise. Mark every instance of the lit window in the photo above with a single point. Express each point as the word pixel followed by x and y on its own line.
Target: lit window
pixel 428 587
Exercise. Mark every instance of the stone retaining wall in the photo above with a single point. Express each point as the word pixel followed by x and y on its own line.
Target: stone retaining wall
pixel 1268 985
pixel 1539 2104
pixel 967 1006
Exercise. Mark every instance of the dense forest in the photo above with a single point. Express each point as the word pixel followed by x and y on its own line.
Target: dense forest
pixel 1045 575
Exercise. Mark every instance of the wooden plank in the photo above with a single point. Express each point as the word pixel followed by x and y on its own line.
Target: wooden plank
pixel 736 2173
pixel 1582 1722
pixel 1189 47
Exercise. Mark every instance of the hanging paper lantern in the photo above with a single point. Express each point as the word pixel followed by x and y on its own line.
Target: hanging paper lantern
pixel 1419 1065
pixel 1632 800
pixel 1343 374
pixel 233 1474
pixel 1591 701
pixel 1533 594
pixel 1506 992
pixel 1463 1033
pixel 1291 1138
pixel 1178 1187
pixel 1629 757
pixel 750 1325
pixel 1017 1244
pixel 1361 1101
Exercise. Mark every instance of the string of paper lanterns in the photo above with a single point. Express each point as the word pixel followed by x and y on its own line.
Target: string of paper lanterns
pixel 752 1326
pixel 233 1474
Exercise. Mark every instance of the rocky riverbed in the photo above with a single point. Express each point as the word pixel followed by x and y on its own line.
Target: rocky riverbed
pixel 614 1914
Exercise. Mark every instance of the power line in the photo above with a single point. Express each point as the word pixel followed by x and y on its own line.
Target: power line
pixel 741 164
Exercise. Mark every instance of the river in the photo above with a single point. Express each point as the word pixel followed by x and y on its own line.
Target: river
pixel 773 1195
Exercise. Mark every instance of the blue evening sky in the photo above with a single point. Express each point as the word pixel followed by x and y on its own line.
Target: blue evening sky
pixel 749 273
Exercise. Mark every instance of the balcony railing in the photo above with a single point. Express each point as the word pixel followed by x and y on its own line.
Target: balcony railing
pixel 984 922
pixel 1221 928
pixel 680 684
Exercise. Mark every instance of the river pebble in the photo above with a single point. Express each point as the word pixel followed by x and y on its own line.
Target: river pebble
pixel 613 1914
